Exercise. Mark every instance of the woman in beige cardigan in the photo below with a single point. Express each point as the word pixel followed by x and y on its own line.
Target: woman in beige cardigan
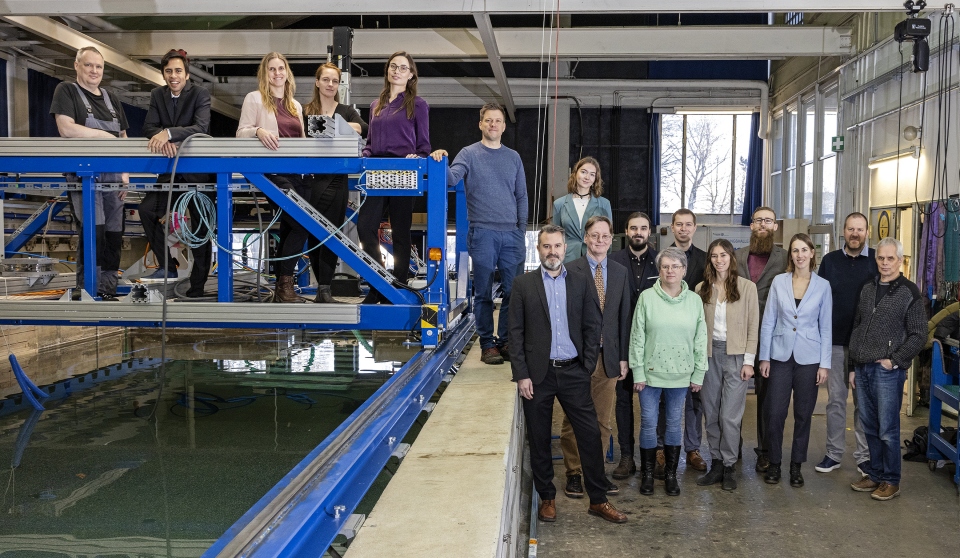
pixel 732 314
pixel 271 113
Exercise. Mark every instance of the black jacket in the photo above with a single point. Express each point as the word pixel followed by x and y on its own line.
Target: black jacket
pixel 616 313
pixel 192 115
pixel 648 275
pixel 895 328
pixel 530 331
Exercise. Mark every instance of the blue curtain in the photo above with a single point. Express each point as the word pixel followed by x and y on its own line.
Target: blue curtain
pixel 40 89
pixel 753 192
pixel 654 196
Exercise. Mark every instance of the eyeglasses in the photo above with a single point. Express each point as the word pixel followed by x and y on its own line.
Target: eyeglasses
pixel 598 236
pixel 766 221
pixel 394 68
pixel 674 267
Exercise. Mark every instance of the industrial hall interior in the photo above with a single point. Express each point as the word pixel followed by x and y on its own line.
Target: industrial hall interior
pixel 479 278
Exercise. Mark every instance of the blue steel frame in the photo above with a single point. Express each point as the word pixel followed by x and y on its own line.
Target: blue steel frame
pixel 35 226
pixel 311 523
pixel 405 312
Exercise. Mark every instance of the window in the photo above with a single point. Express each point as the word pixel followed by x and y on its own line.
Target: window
pixel 703 162
pixel 828 158
pixel 789 208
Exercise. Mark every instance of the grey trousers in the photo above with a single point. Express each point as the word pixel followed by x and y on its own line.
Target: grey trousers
pixel 724 396
pixel 109 223
pixel 837 386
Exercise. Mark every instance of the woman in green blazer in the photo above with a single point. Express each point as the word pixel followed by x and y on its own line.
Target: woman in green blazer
pixel 581 203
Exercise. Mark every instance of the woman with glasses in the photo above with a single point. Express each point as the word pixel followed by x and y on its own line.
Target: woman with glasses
pixel 581 203
pixel 668 355
pixel 796 343
pixel 328 192
pixel 269 114
pixel 733 317
pixel 399 127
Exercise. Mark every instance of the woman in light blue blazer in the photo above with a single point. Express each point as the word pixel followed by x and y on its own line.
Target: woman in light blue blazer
pixel 583 202
pixel 795 347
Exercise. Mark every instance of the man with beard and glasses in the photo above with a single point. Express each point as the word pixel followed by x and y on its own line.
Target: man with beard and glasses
pixel 640 260
pixel 847 270
pixel 762 261
pixel 555 329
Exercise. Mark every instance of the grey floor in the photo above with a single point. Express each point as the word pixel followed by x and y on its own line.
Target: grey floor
pixel 825 518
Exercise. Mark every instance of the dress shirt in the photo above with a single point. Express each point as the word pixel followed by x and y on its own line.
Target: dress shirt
pixel 561 346
pixel 603 269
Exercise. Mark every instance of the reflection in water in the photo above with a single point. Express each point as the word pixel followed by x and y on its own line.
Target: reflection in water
pixel 131 461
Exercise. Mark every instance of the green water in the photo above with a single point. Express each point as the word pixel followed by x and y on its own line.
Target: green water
pixel 109 472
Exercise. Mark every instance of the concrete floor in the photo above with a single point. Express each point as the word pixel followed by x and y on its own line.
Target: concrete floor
pixel 825 518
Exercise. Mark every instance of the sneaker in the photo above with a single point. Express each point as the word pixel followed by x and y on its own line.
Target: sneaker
pixel 885 491
pixel 491 356
pixel 160 274
pixel 612 489
pixel 574 488
pixel 864 468
pixel 864 485
pixel 827 465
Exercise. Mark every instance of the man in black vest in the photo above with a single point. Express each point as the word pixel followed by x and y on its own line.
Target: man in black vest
pixel 640 260
pixel 177 110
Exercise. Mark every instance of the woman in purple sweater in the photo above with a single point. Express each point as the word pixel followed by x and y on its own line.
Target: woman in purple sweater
pixel 399 127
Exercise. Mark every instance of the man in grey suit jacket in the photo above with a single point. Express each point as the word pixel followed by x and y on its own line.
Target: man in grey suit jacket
pixel 610 281
pixel 760 262
pixel 177 111
pixel 555 327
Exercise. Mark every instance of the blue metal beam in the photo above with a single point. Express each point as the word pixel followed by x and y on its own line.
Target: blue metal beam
pixel 34 226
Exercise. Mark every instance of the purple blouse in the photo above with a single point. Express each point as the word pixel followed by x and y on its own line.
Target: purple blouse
pixel 392 134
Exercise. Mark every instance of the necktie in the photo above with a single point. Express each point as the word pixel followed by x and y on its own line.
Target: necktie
pixel 598 281
pixel 175 99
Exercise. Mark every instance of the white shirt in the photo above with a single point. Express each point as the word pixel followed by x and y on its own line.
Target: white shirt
pixel 720 330
pixel 581 206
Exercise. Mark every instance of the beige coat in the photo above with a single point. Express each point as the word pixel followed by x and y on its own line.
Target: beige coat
pixel 743 320
pixel 254 115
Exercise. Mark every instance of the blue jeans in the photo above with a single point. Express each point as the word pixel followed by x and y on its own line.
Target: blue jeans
pixel 489 251
pixel 649 411
pixel 880 396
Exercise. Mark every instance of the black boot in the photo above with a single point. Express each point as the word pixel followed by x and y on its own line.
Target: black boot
pixel 714 476
pixel 796 479
pixel 730 478
pixel 772 476
pixel 671 455
pixel 647 458
pixel 324 295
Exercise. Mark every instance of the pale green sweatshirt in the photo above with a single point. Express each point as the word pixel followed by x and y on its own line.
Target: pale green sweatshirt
pixel 668 341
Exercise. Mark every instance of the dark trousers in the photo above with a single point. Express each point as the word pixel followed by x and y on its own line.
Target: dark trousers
pixel 293 236
pixel 400 211
pixel 570 385
pixel 801 380
pixel 760 389
pixel 624 415
pixel 154 206
pixel 330 199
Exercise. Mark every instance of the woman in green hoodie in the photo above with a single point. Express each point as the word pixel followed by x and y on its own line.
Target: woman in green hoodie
pixel 668 356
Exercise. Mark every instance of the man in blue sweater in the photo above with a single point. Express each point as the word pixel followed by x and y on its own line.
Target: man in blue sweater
pixel 847 270
pixel 496 190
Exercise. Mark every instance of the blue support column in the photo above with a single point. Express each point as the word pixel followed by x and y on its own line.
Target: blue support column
pixel 436 295
pixel 88 228
pixel 224 238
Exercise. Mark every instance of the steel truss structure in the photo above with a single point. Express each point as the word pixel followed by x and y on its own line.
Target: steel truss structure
pixel 431 310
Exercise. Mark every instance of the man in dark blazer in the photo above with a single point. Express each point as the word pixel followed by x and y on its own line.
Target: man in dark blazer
pixel 555 328
pixel 177 110
pixel 611 284
pixel 760 262
pixel 640 260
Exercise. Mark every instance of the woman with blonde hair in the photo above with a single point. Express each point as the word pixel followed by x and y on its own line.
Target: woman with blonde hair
pixel 732 313
pixel 399 127
pixel 269 114
pixel 581 203
pixel 328 192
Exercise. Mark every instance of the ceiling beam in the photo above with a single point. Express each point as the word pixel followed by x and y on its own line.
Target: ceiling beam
pixel 427 7
pixel 762 42
pixel 485 28
pixel 71 38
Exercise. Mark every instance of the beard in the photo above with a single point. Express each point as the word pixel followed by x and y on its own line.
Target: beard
pixel 761 243
pixel 552 263
pixel 638 244
pixel 855 243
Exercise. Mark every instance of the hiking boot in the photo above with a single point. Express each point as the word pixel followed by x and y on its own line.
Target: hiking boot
pixel 772 474
pixel 695 460
pixel 658 468
pixel 796 479
pixel 729 478
pixel 626 468
pixel 491 355
pixel 865 485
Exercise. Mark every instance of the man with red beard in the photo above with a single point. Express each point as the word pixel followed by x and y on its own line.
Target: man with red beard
pixel 761 261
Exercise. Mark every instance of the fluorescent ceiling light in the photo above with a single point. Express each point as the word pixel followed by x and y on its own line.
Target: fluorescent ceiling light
pixel 912 151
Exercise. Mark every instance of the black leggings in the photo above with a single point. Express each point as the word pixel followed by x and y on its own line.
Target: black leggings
pixel 400 211
pixel 328 195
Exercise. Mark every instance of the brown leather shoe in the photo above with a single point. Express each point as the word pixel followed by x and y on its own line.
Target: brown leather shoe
pixel 626 468
pixel 548 510
pixel 661 463
pixel 865 485
pixel 608 512
pixel 491 355
pixel 284 291
pixel 695 460
pixel 885 491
